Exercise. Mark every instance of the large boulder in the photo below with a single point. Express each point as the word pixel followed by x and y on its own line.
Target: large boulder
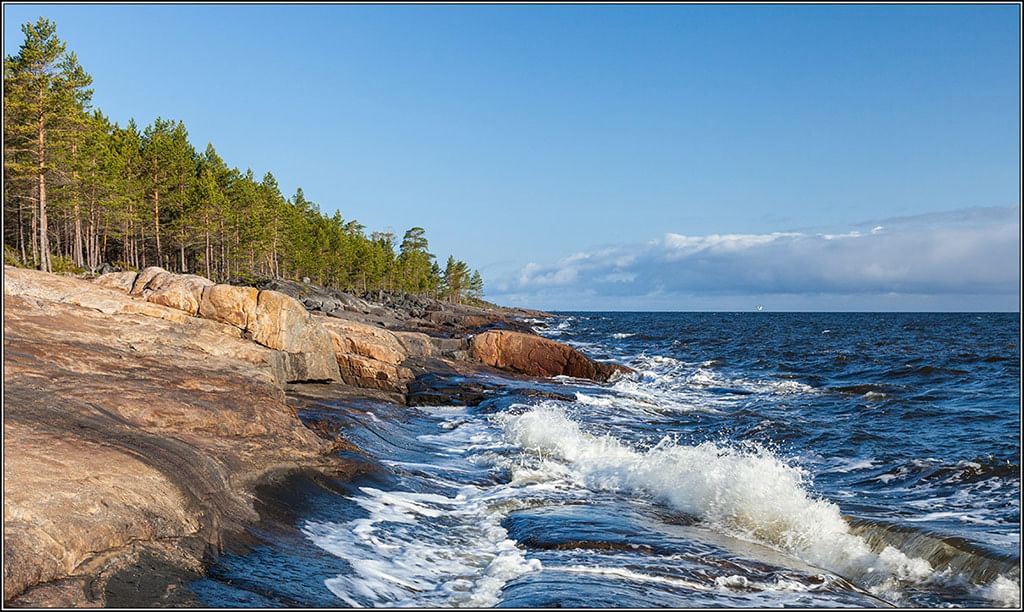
pixel 181 291
pixel 304 349
pixel 227 304
pixel 415 344
pixel 366 340
pixel 282 323
pixel 369 356
pixel 537 356
pixel 367 373
pixel 118 280
pixel 144 278
pixel 44 286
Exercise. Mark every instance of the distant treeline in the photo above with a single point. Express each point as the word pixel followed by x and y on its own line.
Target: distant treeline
pixel 80 190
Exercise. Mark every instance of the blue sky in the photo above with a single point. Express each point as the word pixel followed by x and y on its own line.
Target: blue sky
pixel 528 139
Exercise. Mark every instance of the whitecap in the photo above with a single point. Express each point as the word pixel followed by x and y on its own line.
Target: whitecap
pixel 748 492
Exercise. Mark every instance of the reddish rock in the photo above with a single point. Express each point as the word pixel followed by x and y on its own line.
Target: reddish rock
pixel 537 356
pixel 369 356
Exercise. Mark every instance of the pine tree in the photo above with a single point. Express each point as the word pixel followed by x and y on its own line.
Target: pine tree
pixel 475 285
pixel 414 262
pixel 45 91
pixel 456 279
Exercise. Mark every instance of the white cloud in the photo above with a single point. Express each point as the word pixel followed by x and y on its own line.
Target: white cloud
pixel 957 253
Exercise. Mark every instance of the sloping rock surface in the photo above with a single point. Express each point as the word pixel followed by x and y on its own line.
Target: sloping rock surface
pixel 128 433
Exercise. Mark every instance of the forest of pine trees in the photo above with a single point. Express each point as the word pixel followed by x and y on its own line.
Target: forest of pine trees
pixel 80 190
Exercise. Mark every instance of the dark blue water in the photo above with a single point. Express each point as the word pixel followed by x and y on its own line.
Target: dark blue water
pixel 755 459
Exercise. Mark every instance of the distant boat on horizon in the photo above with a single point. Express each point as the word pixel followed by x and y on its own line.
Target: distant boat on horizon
pixel 759 307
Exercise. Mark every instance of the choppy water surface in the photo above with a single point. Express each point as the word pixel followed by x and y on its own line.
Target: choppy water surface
pixel 755 459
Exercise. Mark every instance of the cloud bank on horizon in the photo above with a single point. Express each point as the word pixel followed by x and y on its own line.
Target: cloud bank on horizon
pixel 965 259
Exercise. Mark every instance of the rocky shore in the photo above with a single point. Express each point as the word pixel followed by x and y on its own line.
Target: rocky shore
pixel 144 411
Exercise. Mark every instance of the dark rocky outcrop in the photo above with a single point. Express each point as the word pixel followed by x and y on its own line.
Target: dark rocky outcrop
pixel 106 268
pixel 400 311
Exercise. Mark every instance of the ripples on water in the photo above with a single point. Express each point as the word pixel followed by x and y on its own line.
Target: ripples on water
pixel 753 460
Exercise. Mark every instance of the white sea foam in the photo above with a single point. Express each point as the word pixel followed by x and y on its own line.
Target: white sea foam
pixel 594 400
pixel 721 583
pixel 853 465
pixel 781 584
pixel 558 329
pixel 630 575
pixel 749 492
pixel 704 377
pixel 1003 591
pixel 421 549
pixel 621 335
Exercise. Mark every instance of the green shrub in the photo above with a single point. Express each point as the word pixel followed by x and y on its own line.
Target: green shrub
pixel 124 265
pixel 63 265
pixel 11 258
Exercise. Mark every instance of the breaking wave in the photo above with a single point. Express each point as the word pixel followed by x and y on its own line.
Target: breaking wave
pixel 747 491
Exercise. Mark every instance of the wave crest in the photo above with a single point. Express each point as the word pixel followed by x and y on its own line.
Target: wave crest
pixel 747 491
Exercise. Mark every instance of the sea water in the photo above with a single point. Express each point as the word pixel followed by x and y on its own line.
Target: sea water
pixel 754 459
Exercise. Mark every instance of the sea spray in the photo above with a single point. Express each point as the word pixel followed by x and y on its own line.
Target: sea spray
pixel 749 492
pixel 421 549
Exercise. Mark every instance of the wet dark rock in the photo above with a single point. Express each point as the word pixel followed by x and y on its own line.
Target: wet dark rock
pixel 441 390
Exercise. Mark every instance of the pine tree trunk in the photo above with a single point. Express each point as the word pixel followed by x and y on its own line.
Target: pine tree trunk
pixel 208 253
pixel 44 243
pixel 223 252
pixel 34 229
pixel 21 228
pixel 76 253
pixel 156 227
pixel 141 246
pixel 126 242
